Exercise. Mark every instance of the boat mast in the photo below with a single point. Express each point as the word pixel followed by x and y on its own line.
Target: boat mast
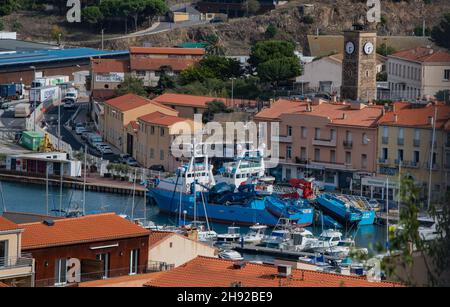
pixel 145 194
pixel 387 214
pixel 84 179
pixel 399 187
pixel 431 158
pixel 134 192
pixel 3 199
pixel 61 187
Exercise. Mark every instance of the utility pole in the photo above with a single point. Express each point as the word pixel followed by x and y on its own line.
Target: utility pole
pixel 34 100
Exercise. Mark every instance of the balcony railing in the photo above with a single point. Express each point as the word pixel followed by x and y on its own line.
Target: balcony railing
pixel 400 141
pixel 411 164
pixel 348 144
pixel 15 262
pixel 383 161
pixel 385 140
pixel 285 138
pixel 320 142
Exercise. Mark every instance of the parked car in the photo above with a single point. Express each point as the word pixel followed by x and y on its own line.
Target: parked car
pixel 79 130
pixel 157 168
pixel 68 103
pixel 85 135
pixel 123 158
pixel 132 162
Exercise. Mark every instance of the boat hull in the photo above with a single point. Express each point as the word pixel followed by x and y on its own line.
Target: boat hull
pixel 247 215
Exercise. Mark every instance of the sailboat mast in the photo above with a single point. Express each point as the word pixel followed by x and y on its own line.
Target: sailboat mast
pixel 61 187
pixel 134 192
pixel 145 194
pixel 431 157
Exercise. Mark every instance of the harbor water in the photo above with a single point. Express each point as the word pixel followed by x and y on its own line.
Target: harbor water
pixel 32 198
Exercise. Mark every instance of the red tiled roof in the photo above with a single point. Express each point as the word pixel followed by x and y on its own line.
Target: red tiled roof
pixel 138 63
pixel 3 285
pixel 134 124
pixel 161 119
pixel 168 50
pixel 158 236
pixel 6 225
pixel 214 272
pixel 197 101
pixel 89 228
pixel 408 115
pixel 122 281
pixel 423 55
pixel 110 65
pixel 365 117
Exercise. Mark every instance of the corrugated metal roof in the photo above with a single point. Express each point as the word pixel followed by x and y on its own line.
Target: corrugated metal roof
pixel 40 56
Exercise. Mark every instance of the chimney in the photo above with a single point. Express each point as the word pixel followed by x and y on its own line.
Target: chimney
pixel 239 265
pixel 395 118
pixel 47 222
pixel 284 270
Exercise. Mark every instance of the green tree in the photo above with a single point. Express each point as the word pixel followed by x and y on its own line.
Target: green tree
pixel 214 107
pixel 443 96
pixel 418 31
pixel 16 26
pixel 308 19
pixel 382 76
pixel 222 67
pixel 385 50
pixel 132 85
pixel 214 45
pixel 268 50
pixel 280 69
pixel 271 31
pixel 440 33
pixel 2 27
pixel 92 15
pixel 253 7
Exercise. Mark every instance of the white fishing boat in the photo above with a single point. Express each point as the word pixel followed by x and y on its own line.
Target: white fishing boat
pixel 256 234
pixel 327 239
pixel 230 255
pixel 288 236
pixel 233 235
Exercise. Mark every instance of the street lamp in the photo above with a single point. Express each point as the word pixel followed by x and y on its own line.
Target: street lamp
pixel 34 99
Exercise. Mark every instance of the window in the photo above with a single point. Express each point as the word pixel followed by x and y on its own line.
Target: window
pixel 348 136
pixel 365 139
pixel 161 155
pixel 303 153
pixel 105 259
pixel 3 253
pixel 288 152
pixel 363 161
pixel 447 74
pixel 152 130
pixel 416 156
pixel 140 73
pixel 317 154
pixel 385 153
pixel 333 134
pixel 161 130
pixel 60 271
pixel 317 133
pixel 289 130
pixel 134 261
pixel 332 156
pixel 152 153
pixel 195 110
pixel 304 132
pixel 348 157
pixel 400 155
pixel 288 174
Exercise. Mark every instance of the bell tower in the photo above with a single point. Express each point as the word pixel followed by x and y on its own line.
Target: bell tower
pixel 359 65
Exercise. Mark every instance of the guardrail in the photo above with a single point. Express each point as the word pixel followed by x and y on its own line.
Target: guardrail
pixel 15 262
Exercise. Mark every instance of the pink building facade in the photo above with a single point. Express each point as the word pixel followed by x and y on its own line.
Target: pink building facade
pixel 335 143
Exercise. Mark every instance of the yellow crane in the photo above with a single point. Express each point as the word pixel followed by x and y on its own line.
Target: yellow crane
pixel 47 146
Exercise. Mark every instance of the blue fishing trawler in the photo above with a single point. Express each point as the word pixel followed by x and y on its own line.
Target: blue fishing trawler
pixel 298 210
pixel 346 209
pixel 194 194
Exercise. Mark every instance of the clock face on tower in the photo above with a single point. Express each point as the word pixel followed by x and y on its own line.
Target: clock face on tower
pixel 368 48
pixel 349 47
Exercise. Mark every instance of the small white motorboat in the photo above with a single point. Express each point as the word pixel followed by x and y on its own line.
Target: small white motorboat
pixel 233 235
pixel 256 234
pixel 230 254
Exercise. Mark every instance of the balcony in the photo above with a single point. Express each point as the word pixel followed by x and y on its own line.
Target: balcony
pixel 285 138
pixel 385 140
pixel 348 144
pixel 416 143
pixel 16 266
pixel 400 141
pixel 411 164
pixel 323 142
pixel 383 161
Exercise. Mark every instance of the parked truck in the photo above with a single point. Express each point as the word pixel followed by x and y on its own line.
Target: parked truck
pixel 49 81
pixel 46 94
pixel 11 91
pixel 22 110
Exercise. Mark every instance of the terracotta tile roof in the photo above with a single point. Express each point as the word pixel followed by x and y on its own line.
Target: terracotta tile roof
pixel 89 228
pixel 197 101
pixel 110 65
pixel 423 55
pixel 161 119
pixel 3 285
pixel 139 63
pixel 158 236
pixel 408 115
pixel 122 281
pixel 161 50
pixel 365 117
pixel 6 225
pixel 214 272
pixel 131 101
pixel 339 57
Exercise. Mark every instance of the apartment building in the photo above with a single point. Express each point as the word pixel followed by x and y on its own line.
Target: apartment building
pixel 106 76
pixel 16 268
pixel 418 73
pixel 120 111
pixel 332 142
pixel 155 134
pixel 148 63
pixel 405 143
